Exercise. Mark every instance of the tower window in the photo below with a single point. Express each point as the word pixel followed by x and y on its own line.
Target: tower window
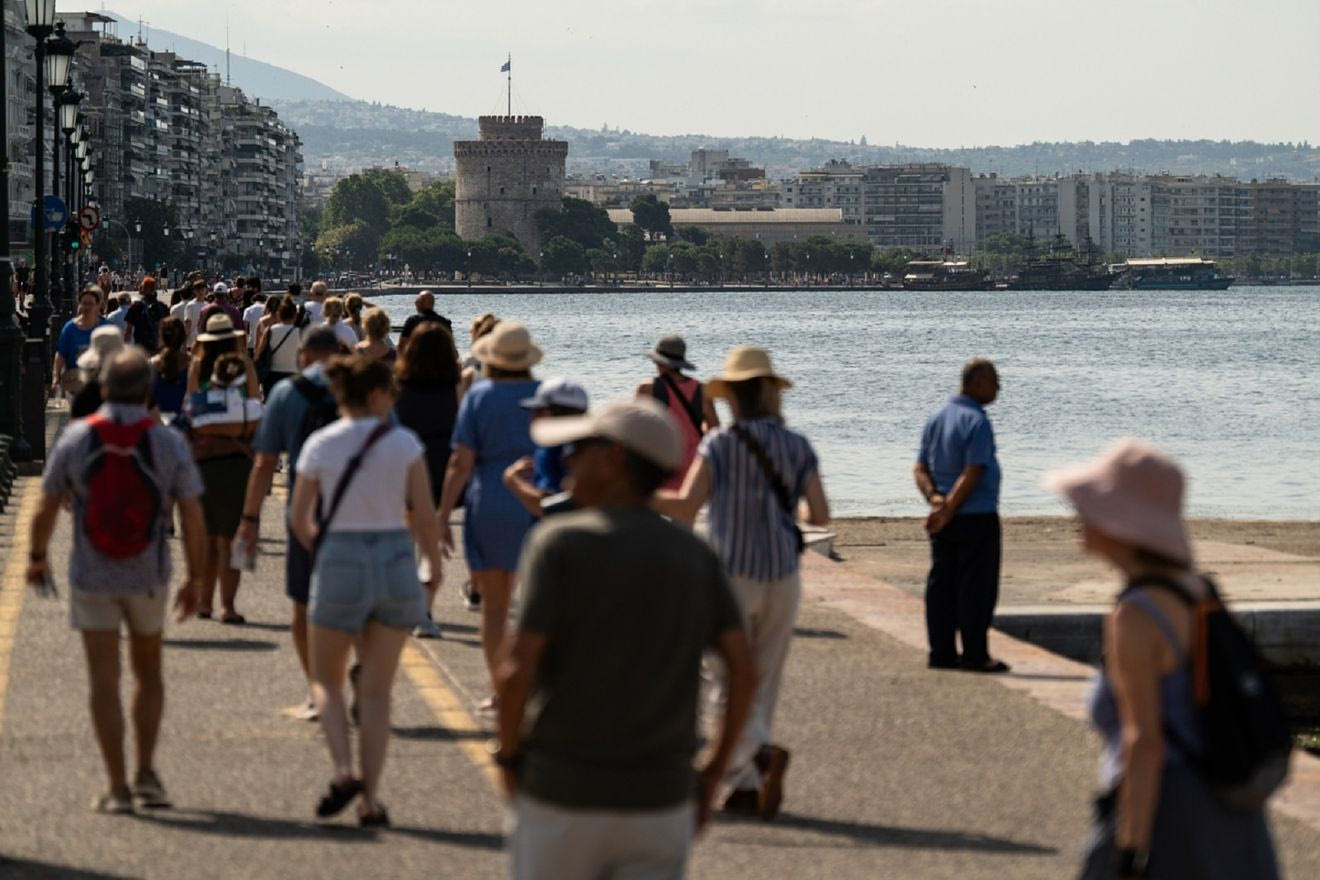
pixel 501 190
pixel 488 223
pixel 533 190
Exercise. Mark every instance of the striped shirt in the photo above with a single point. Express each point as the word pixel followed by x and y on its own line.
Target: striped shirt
pixel 752 533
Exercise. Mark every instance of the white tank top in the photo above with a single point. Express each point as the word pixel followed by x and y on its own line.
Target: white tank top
pixel 284 351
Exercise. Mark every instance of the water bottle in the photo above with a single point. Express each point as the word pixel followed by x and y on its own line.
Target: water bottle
pixel 242 557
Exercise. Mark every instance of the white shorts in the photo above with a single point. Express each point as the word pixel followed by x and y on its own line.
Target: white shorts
pixel 144 615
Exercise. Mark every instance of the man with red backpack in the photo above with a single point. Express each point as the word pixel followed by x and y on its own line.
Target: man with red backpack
pixel 124 472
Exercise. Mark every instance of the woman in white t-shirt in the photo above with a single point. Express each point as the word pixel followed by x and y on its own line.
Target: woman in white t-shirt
pixel 282 341
pixel 334 318
pixel 364 575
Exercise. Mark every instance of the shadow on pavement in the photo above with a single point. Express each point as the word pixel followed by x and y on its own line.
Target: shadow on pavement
pixel 265 627
pixel 807 633
pixel 221 644
pixel 228 824
pixel 893 836
pixel 21 869
pixel 458 628
pixel 1040 676
pixel 439 734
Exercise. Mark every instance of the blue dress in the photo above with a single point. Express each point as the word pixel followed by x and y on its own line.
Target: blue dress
pixel 498 431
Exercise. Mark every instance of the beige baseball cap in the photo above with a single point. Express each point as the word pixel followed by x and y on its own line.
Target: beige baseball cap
pixel 640 425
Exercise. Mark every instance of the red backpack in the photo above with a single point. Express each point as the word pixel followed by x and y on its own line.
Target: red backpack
pixel 123 499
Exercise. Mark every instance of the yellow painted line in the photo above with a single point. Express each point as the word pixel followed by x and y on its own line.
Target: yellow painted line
pixel 12 585
pixel 449 711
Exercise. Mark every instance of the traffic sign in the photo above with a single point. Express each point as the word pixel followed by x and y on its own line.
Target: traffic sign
pixel 89 218
pixel 55 214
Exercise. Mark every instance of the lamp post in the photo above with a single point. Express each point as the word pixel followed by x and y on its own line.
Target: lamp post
pixel 40 24
pixel 59 58
pixel 11 335
pixel 68 113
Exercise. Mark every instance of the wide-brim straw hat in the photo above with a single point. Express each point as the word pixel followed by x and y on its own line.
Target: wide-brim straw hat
pixel 671 351
pixel 743 363
pixel 508 347
pixel 218 326
pixel 106 340
pixel 1133 492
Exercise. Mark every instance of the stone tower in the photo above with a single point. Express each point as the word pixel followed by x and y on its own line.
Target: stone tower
pixel 503 179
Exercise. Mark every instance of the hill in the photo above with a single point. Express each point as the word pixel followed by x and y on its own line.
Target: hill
pixel 358 133
pixel 256 78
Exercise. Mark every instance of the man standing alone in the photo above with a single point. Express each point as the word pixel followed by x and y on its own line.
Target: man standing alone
pixel 124 471
pixel 958 475
pixel 619 606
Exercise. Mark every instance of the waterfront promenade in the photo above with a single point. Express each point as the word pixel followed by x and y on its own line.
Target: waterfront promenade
pixel 898 771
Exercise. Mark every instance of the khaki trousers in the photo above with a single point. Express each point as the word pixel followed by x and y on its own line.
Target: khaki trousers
pixel 769 609
pixel 550 842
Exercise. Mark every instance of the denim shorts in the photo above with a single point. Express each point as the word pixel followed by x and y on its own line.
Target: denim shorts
pixel 364 576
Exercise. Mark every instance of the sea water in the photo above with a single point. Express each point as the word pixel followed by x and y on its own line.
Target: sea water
pixel 1229 382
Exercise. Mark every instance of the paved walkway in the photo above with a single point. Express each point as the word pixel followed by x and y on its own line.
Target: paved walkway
pixel 898 771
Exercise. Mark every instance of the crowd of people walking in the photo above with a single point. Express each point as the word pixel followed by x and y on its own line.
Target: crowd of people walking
pixel 186 411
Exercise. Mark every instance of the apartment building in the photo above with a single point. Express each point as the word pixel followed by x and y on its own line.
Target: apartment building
pixel 20 75
pixel 166 128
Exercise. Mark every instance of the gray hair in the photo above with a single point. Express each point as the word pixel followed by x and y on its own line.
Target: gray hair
pixel 974 367
pixel 126 377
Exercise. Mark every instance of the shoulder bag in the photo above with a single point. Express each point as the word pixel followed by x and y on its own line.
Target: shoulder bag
pixel 354 463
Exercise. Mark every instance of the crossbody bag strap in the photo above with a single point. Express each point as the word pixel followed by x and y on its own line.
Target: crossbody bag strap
pixel 341 488
pixel 767 467
pixel 689 406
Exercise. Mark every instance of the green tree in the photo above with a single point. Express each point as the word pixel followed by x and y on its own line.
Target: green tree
pixel 563 256
pixel 694 234
pixel 353 245
pixel 578 220
pixel 655 260
pixel 652 216
pixel 391 183
pixel 358 199
pixel 683 259
pixel 630 244
pixel 158 241
pixel 437 200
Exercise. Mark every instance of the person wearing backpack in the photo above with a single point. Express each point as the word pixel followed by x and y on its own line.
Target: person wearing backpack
pixel 1159 816
pixel 755 473
pixel 142 323
pixel 295 408
pixel 692 409
pixel 124 472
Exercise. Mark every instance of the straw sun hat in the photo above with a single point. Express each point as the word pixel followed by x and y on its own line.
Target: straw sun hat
pixel 1133 492
pixel 508 347
pixel 218 326
pixel 106 340
pixel 745 362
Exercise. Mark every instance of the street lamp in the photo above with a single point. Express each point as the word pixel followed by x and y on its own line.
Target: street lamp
pixel 59 60
pixel 68 113
pixel 40 24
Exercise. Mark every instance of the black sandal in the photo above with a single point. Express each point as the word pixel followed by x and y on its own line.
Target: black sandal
pixel 378 819
pixel 340 795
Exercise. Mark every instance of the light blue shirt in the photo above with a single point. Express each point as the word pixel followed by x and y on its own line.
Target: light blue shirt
pixel 281 425
pixel 959 435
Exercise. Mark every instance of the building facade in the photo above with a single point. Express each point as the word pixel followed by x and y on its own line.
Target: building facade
pixel 165 128
pixel 505 177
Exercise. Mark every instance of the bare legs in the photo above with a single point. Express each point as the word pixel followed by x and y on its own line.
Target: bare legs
pixel 378 652
pixel 215 569
pixel 496 588
pixel 102 650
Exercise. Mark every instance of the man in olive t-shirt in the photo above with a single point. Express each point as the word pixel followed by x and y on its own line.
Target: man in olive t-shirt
pixel 619 605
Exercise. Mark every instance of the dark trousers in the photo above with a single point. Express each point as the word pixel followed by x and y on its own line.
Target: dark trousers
pixel 963 587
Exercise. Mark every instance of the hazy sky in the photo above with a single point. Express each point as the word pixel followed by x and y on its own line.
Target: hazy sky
pixel 941 73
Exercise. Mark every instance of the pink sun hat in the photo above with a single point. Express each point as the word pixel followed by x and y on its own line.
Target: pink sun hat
pixel 1134 492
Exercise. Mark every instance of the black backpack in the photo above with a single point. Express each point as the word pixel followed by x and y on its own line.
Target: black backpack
pixel 1245 732
pixel 322 408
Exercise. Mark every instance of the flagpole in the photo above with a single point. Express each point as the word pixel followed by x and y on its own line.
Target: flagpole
pixel 509 65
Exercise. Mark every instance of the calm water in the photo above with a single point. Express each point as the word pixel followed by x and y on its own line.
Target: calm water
pixel 1225 380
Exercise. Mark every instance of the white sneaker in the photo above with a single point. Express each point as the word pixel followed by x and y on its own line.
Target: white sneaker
pixel 149 791
pixel 471 598
pixel 306 712
pixel 117 802
pixel 427 630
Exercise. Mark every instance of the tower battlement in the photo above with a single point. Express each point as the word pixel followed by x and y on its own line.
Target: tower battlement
pixel 510 128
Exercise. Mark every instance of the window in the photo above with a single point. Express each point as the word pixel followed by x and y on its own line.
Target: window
pixel 501 190
pixel 488 223
pixel 533 190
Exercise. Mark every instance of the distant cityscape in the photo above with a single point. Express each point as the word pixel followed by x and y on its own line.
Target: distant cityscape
pixel 219 178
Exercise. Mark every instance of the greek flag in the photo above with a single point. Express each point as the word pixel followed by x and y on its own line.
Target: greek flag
pixel 506 66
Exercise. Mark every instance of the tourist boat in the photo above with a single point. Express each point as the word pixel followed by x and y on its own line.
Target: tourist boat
pixel 1175 273
pixel 1060 272
pixel 945 275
